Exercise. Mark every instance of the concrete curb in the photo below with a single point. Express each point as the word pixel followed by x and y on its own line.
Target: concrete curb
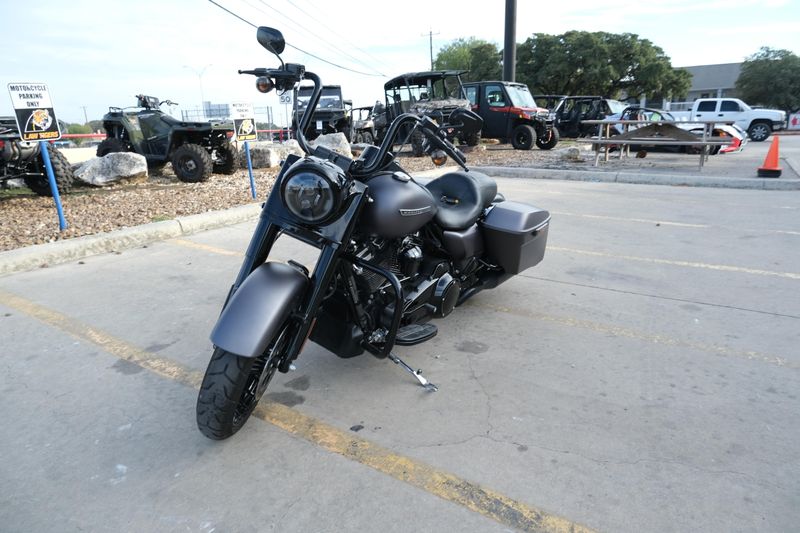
pixel 648 179
pixel 54 253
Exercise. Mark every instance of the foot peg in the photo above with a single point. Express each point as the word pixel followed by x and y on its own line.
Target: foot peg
pixel 415 333
pixel 416 373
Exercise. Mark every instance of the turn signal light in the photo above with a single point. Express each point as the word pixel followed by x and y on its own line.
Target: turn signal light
pixel 264 84
pixel 438 157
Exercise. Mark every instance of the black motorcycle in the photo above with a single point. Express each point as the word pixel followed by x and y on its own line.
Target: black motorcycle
pixel 393 254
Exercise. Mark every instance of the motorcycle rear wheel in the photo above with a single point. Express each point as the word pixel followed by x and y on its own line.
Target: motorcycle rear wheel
pixel 232 387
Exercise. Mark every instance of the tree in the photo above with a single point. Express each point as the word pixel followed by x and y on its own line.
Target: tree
pixel 771 78
pixel 480 58
pixel 606 64
pixel 78 128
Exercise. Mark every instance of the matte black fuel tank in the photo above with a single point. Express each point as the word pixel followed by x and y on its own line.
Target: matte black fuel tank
pixel 399 206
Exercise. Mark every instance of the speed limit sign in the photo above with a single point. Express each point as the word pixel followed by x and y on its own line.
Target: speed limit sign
pixel 285 98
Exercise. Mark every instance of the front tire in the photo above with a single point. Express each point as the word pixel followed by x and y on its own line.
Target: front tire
pixel 112 145
pixel 225 162
pixel 472 139
pixel 62 172
pixel 191 163
pixel 233 385
pixel 523 137
pixel 549 140
pixel 417 144
pixel 759 131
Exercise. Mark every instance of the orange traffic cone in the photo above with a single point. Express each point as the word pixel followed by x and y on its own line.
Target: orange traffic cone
pixel 771 168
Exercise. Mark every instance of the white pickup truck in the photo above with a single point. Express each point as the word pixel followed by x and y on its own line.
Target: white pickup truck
pixel 758 123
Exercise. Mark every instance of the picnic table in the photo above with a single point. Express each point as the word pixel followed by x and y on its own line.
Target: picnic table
pixel 652 133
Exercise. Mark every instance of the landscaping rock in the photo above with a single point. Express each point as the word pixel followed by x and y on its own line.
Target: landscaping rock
pixel 100 171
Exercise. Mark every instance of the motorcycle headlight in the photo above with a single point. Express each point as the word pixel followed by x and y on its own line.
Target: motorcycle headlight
pixel 312 190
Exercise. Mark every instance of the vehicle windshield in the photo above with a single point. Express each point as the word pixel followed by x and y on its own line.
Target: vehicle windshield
pixel 520 96
pixel 331 98
pixel 616 106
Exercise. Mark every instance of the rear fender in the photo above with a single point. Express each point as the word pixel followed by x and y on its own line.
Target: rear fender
pixel 259 308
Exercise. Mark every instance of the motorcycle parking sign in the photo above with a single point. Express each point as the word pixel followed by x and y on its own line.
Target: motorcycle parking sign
pixel 244 121
pixel 36 118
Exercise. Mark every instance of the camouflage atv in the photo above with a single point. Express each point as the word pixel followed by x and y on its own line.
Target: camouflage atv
pixel 195 149
pixel 23 159
pixel 432 93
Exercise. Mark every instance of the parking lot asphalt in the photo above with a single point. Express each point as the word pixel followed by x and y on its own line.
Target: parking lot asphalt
pixel 643 377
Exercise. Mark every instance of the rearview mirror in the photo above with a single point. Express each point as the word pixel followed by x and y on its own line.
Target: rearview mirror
pixel 271 39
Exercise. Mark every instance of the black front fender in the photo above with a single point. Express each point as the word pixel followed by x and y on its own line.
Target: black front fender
pixel 258 309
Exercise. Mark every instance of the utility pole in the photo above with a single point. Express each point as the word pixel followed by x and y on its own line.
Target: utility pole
pixel 200 82
pixel 85 118
pixel 510 48
pixel 430 37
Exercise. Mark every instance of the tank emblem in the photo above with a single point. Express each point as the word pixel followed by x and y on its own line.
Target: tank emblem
pixel 414 212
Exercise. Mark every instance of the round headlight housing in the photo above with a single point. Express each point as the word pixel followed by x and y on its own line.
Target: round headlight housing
pixel 312 190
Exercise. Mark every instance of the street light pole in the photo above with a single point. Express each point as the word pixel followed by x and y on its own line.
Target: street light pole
pixel 199 74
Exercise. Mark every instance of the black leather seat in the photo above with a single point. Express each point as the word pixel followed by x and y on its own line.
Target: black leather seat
pixel 461 198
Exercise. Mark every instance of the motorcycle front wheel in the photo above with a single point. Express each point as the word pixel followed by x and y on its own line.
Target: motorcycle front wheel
pixel 232 387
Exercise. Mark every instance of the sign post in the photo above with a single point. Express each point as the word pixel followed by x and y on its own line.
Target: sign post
pixel 244 125
pixel 36 121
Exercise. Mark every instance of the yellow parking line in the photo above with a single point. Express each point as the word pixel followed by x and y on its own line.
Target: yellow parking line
pixel 617 331
pixel 438 482
pixel 690 264
pixel 205 247
pixel 623 219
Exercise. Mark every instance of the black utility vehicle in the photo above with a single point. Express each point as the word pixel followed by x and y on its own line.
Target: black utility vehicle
pixel 332 115
pixel 572 110
pixel 509 112
pixel 434 94
pixel 23 159
pixel 195 149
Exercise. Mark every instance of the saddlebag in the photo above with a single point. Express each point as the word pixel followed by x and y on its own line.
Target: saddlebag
pixel 515 235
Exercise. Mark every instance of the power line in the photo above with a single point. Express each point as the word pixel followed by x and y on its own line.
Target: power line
pixel 315 35
pixel 324 25
pixel 299 49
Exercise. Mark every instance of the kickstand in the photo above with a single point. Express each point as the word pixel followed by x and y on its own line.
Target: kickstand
pixel 417 374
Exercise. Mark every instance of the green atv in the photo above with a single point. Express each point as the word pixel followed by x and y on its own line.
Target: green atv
pixel 195 149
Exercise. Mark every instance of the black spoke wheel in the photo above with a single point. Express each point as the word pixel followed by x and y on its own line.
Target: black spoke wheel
pixel 548 140
pixel 233 386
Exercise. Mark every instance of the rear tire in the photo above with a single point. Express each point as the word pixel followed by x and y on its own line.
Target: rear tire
pixel 523 137
pixel 111 145
pixel 368 139
pixel 417 148
pixel 191 163
pixel 62 172
pixel 549 140
pixel 225 162
pixel 472 139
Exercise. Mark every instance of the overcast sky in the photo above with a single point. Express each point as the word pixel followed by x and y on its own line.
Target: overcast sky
pixel 100 53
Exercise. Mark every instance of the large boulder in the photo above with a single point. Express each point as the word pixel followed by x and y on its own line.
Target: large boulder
pixel 336 142
pixel 113 167
pixel 267 154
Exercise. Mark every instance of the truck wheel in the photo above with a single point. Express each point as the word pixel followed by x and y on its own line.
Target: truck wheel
pixel 62 172
pixel 191 163
pixel 523 137
pixel 112 144
pixel 225 160
pixel 548 140
pixel 416 144
pixel 759 131
pixel 472 139
pixel 359 138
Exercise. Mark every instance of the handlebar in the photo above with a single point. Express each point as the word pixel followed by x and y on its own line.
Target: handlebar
pixel 291 74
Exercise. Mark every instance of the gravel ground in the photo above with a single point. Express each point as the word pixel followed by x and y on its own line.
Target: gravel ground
pixel 26 219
